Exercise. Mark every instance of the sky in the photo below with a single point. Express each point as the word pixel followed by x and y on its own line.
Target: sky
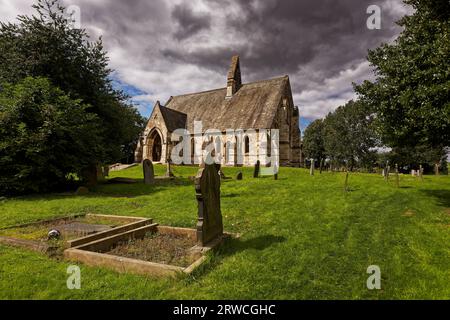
pixel 159 49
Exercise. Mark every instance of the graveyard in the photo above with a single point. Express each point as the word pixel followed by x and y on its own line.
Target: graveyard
pixel 294 236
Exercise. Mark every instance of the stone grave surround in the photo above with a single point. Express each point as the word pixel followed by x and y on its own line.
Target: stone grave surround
pixel 149 174
pixel 207 189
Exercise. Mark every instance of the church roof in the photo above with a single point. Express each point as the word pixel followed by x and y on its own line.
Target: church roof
pixel 253 106
pixel 173 119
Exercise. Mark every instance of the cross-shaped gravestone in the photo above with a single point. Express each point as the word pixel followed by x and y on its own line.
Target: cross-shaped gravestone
pixel 149 174
pixel 257 169
pixel 169 173
pixel 207 189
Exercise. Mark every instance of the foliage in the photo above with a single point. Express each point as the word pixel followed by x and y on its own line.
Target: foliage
pixel 412 157
pixel 411 96
pixel 349 135
pixel 313 140
pixel 46 45
pixel 44 136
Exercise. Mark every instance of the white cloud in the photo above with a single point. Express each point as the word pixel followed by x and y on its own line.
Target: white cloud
pixel 332 93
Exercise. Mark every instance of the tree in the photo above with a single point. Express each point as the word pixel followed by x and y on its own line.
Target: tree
pixel 46 45
pixel 411 96
pixel 45 137
pixel 412 157
pixel 349 135
pixel 313 142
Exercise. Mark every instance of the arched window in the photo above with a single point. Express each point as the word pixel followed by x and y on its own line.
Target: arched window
pixel 247 144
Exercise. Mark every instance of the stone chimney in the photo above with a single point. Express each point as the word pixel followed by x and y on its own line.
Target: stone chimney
pixel 234 77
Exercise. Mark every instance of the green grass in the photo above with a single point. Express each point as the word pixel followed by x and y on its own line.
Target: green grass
pixel 302 237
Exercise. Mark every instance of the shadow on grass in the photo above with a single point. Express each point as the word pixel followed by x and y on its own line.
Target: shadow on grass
pixel 441 195
pixel 231 247
pixel 115 190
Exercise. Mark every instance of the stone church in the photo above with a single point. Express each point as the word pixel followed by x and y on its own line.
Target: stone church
pixel 266 104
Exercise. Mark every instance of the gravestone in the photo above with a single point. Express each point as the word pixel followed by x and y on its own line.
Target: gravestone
pixel 89 176
pixel 219 171
pixel 239 176
pixel 99 171
pixel 413 173
pixel 387 170
pixel 311 169
pixel 169 173
pixel 149 174
pixel 436 169
pixel 207 190
pixel 257 169
pixel 106 171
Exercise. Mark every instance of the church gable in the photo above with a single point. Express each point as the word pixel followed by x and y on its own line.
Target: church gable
pixel 156 120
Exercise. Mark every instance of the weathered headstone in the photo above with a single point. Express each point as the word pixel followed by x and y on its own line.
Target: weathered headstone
pixel 89 176
pixel 99 171
pixel 387 170
pixel 321 165
pixel 239 176
pixel 220 172
pixel 149 174
pixel 311 169
pixel 436 169
pixel 413 173
pixel 207 189
pixel 257 169
pixel 169 173
pixel 421 172
pixel 106 171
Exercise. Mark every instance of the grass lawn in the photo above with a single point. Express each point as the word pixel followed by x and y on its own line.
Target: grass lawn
pixel 302 237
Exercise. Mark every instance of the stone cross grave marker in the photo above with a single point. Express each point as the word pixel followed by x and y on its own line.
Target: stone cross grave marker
pixel 207 189
pixel 149 174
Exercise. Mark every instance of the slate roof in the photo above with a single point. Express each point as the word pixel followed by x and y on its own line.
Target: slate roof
pixel 173 119
pixel 253 106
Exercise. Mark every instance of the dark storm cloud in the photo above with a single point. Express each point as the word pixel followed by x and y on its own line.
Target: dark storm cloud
pixel 189 23
pixel 282 36
pixel 172 47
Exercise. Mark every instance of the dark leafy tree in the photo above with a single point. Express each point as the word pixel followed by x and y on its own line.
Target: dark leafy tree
pixel 411 93
pixel 313 141
pixel 349 136
pixel 46 45
pixel 45 137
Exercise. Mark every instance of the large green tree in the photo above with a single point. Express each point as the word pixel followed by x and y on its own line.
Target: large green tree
pixel 349 135
pixel 45 137
pixel 411 93
pixel 46 45
pixel 313 140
